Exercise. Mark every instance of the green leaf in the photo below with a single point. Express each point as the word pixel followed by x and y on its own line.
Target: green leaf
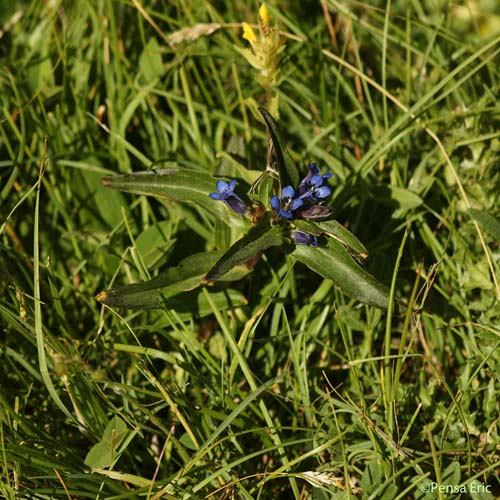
pixel 196 303
pixel 151 62
pixel 217 346
pixel 177 184
pixel 98 207
pixel 401 197
pixel 333 262
pixel 372 476
pixel 175 280
pixel 289 175
pixel 186 441
pixel 372 479
pixel 335 230
pixel 258 239
pixel 338 231
pixel 451 475
pixel 192 303
pixel 40 74
pixel 389 492
pixel 104 453
pixel 486 221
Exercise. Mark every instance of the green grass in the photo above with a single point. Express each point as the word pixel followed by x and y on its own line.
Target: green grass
pixel 298 391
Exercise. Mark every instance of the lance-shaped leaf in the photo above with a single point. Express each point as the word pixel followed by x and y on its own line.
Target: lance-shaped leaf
pixel 175 280
pixel 187 304
pixel 178 184
pixel 338 231
pixel 333 262
pixel 258 239
pixel 334 229
pixel 196 303
pixel 289 175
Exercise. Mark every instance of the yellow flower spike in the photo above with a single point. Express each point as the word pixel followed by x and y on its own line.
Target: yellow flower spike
pixel 264 14
pixel 248 33
pixel 265 49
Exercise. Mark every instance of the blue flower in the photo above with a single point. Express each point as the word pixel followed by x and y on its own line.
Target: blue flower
pixel 287 204
pixel 225 192
pixel 302 238
pixel 313 170
pixel 311 189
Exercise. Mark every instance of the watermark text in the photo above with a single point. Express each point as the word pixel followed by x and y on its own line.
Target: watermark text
pixel 471 488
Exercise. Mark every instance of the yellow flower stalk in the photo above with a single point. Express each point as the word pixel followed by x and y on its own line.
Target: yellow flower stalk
pixel 265 48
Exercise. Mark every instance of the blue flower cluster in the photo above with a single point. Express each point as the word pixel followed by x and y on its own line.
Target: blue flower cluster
pixel 312 189
pixel 303 202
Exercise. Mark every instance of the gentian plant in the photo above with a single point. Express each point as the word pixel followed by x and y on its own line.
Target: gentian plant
pixel 296 219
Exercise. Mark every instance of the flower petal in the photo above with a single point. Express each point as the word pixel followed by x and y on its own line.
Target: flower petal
pixel 248 33
pixel 222 187
pixel 264 14
pixel 322 192
pixel 297 203
pixel 285 214
pixel 287 192
pixel 305 183
pixel 232 185
pixel 316 180
pixel 215 196
pixel 275 203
